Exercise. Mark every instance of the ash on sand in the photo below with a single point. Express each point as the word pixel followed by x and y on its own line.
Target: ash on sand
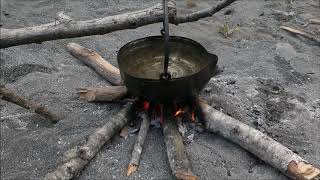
pixel 275 87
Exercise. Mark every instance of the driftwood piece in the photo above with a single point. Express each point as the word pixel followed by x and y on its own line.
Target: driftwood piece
pixel 137 150
pixel 69 28
pixel 96 62
pixel 177 156
pixel 66 27
pixel 258 143
pixel 302 33
pixel 102 94
pixel 74 165
pixel 312 21
pixel 195 16
pixel 32 106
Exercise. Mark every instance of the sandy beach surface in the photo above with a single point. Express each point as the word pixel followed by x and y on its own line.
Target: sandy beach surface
pixel 269 79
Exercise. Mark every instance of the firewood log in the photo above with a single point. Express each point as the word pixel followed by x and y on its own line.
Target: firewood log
pixel 259 144
pixel 10 96
pixel 177 155
pixel 66 27
pixel 96 62
pixel 77 161
pixel 137 150
pixel 103 94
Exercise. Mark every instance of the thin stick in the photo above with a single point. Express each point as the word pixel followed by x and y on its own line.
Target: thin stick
pixel 10 96
pixel 301 33
pixel 137 150
pixel 103 94
pixel 202 13
pixel 258 143
pixel 66 27
pixel 96 62
pixel 75 164
pixel 178 159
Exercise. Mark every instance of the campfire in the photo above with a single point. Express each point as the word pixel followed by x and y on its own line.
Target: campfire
pixel 170 97
pixel 169 114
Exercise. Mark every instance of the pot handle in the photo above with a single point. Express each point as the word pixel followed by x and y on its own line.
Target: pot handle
pixel 213 60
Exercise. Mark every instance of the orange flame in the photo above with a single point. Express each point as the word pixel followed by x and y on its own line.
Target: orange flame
pixel 178 112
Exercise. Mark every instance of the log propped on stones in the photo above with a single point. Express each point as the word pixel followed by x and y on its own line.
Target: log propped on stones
pixel 177 155
pixel 96 62
pixel 78 160
pixel 138 146
pixel 103 94
pixel 11 96
pixel 66 27
pixel 259 144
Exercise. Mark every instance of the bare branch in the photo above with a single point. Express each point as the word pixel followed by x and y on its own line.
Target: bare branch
pixel 12 97
pixel 66 27
pixel 79 159
pixel 258 143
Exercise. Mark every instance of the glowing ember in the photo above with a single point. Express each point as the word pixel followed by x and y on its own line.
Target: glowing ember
pixel 178 112
pixel 146 105
pixel 193 118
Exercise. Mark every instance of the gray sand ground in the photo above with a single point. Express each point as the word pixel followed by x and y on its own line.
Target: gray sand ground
pixel 270 80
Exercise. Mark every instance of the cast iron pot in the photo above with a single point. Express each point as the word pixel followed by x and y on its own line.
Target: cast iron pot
pixel 141 63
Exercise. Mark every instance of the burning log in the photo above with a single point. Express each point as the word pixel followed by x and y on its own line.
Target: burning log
pixel 137 150
pixel 103 94
pixel 259 144
pixel 74 165
pixel 96 62
pixel 32 106
pixel 66 27
pixel 178 159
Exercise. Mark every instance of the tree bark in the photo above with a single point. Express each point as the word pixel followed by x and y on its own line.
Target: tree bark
pixel 75 164
pixel 202 13
pixel 96 62
pixel 177 156
pixel 258 143
pixel 71 28
pixel 138 147
pixel 103 94
pixel 66 27
pixel 32 106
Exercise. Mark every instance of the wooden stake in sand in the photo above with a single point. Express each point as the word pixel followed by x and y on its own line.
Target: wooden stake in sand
pixel 12 97
pixel 103 94
pixel 302 33
pixel 177 155
pixel 137 150
pixel 75 164
pixel 259 144
pixel 96 62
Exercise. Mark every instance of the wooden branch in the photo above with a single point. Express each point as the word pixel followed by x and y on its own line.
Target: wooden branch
pixel 74 164
pixel 103 94
pixel 202 13
pixel 258 143
pixel 177 156
pixel 301 33
pixel 66 27
pixel 137 150
pixel 312 21
pixel 71 29
pixel 32 106
pixel 96 62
